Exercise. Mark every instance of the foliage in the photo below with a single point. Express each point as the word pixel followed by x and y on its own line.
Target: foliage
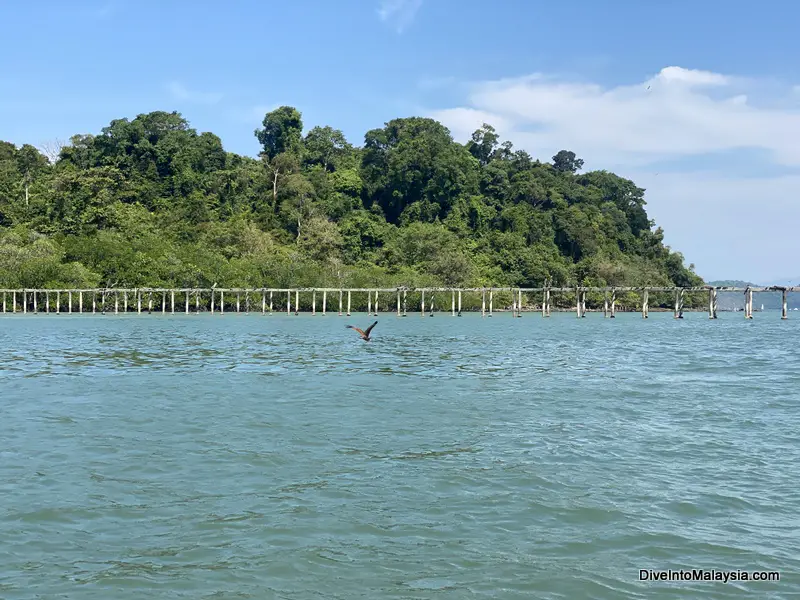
pixel 150 201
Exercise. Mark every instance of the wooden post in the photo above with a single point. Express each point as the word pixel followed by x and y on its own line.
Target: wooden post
pixel 405 303
pixel 58 302
pixel 459 303
pixel 784 305
pixel 645 303
pixel 4 302
pixel 613 304
pixel 748 304
pixel 197 302
pixel 483 303
pixel 491 301
pixel 712 303
pixel 324 302
pixel 13 302
pixel 94 301
pixel 116 303
pixel 605 305
pixel 398 303
pixel 125 301
pixel 288 302
pixel 348 302
pixel 70 302
pixel 376 303
pixel 212 301
pixel 369 303
pixel 433 298
pixel 80 301
pixel 422 312
pixel 221 302
pixel 238 302
pixel 583 303
pixel 677 303
pixel 578 302
pixel 340 302
pixel 519 304
pixel 270 301
pixel 314 302
pixel 33 293
pixel 149 302
pixel 187 301
pixel 263 302
pixel 172 301
pixel 513 304
pixel 453 303
pixel 296 302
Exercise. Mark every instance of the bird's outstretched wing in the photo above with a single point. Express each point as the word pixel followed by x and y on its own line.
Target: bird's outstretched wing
pixel 370 327
pixel 360 332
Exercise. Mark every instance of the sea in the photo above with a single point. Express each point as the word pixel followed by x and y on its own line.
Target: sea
pixel 279 456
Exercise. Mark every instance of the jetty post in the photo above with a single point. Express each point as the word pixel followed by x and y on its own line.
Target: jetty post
pixel 453 303
pixel 578 302
pixel 314 302
pixel 340 302
pixel 296 302
pixel 348 303
pixel 459 303
pixel 712 303
pixel 645 303
pixel 748 303
pixel 324 302
pixel 398 303
pixel 270 302
pixel 784 305
pixel 613 303
pixel 70 302
pixel 490 302
pixel 369 303
pixel 483 303
pixel 58 302
pixel 33 293
pixel 376 303
pixel 405 303
pixel 422 310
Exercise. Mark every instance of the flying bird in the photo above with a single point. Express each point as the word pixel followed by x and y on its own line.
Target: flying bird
pixel 364 334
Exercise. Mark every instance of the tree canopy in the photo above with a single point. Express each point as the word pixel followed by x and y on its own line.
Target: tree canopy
pixel 152 202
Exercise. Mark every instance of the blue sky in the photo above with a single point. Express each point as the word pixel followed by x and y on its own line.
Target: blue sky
pixel 699 102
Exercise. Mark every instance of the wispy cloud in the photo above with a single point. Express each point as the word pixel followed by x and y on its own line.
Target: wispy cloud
pixel 736 216
pixel 400 13
pixel 181 92
pixel 676 113
pixel 103 10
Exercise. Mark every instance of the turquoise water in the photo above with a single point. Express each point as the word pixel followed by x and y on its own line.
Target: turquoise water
pixel 249 456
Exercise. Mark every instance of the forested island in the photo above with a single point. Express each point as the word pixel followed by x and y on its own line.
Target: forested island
pixel 150 202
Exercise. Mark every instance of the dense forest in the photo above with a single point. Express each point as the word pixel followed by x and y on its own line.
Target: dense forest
pixel 152 202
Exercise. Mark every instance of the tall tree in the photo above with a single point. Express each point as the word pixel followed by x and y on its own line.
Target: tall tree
pixel 282 131
pixel 566 162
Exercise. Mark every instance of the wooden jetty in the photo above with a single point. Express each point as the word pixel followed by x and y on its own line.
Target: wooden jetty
pixel 270 300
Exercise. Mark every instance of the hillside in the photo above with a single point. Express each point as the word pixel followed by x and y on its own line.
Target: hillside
pixel 152 202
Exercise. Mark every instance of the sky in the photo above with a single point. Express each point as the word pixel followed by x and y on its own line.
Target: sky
pixel 697 102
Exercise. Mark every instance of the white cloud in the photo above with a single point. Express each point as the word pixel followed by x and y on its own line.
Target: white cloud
pixel 399 12
pixel 728 224
pixel 678 112
pixel 180 92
